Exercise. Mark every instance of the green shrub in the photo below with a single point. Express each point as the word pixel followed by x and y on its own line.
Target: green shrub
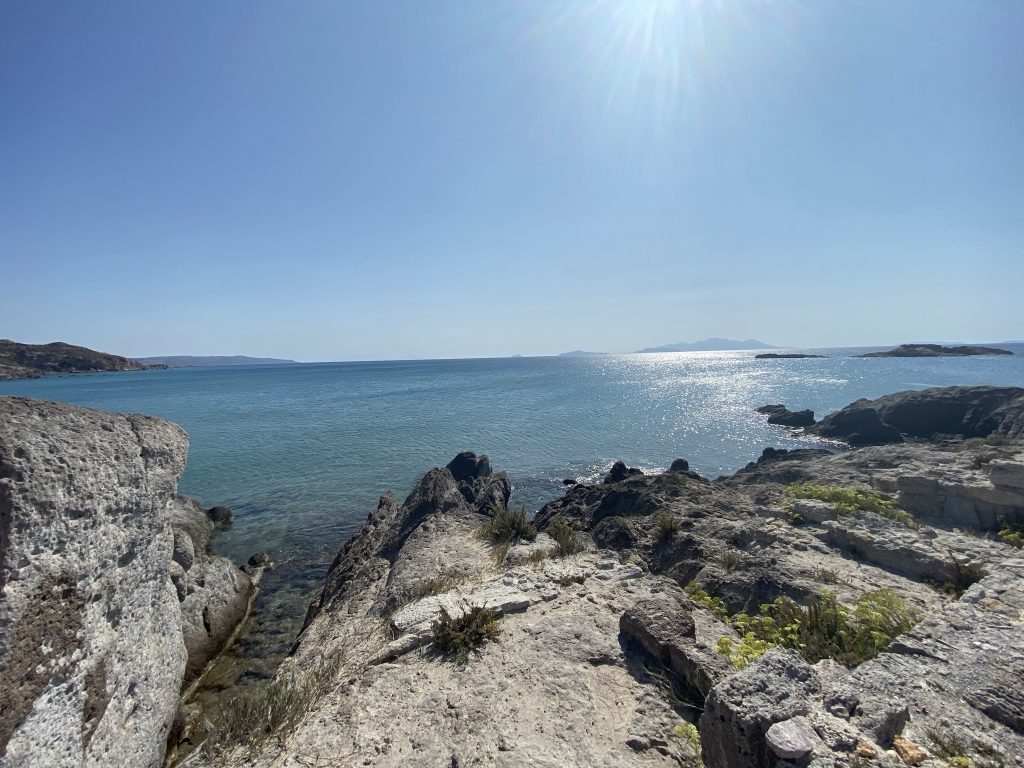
pixel 698 595
pixel 567 541
pixel 1012 534
pixel 507 526
pixel 847 500
pixel 665 528
pixel 455 637
pixel 824 628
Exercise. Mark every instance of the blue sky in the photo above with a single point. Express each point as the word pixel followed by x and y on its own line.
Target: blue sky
pixel 340 180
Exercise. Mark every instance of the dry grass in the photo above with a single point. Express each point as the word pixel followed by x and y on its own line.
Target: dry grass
pixel 269 711
pixel 567 541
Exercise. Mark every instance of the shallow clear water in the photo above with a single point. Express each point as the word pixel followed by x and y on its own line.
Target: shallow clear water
pixel 302 452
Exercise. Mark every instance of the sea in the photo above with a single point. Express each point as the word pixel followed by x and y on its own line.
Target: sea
pixel 302 452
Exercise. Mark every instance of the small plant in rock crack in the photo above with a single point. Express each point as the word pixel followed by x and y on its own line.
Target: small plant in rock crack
pixel 730 559
pixel 665 528
pixel 1011 534
pixel 508 526
pixel 455 637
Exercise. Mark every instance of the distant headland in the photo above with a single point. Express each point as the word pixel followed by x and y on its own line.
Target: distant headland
pixel 714 344
pixel 193 361
pixel 32 361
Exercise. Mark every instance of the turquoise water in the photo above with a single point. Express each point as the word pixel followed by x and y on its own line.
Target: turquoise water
pixel 302 452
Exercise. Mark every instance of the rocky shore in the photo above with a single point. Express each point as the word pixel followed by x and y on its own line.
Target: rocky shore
pixel 818 608
pixel 639 621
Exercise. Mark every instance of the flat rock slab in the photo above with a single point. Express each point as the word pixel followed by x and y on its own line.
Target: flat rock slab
pixel 791 739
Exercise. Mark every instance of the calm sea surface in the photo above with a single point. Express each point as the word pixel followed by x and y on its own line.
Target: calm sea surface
pixel 302 452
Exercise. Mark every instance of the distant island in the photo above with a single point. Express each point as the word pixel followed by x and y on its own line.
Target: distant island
pixel 192 361
pixel 581 353
pixel 936 350
pixel 782 356
pixel 31 361
pixel 714 344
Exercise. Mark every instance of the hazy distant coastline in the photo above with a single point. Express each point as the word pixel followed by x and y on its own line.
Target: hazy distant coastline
pixel 193 361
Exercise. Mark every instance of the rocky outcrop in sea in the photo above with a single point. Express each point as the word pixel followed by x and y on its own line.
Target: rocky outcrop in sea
pixel 110 601
pixel 937 350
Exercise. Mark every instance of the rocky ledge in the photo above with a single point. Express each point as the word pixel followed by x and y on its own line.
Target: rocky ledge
pixel 927 414
pixel 110 602
pixel 816 609
pixel 937 350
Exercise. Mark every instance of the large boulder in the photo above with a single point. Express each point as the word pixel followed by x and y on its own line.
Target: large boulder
pixel 95 581
pixel 858 425
pixel 739 711
pixel 91 650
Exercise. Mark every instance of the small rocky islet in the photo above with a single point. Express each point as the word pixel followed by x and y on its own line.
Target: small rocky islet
pixel 937 350
pixel 819 607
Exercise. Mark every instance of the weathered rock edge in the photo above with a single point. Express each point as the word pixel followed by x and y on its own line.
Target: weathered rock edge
pixel 109 601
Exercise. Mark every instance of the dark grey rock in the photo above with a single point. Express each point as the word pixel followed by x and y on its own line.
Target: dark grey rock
pixel 221 516
pixel 966 411
pixel 620 472
pixel 781 415
pixel 259 560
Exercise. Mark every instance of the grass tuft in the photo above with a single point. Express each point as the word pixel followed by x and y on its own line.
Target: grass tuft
pixel 567 541
pixel 730 559
pixel 455 637
pixel 508 526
